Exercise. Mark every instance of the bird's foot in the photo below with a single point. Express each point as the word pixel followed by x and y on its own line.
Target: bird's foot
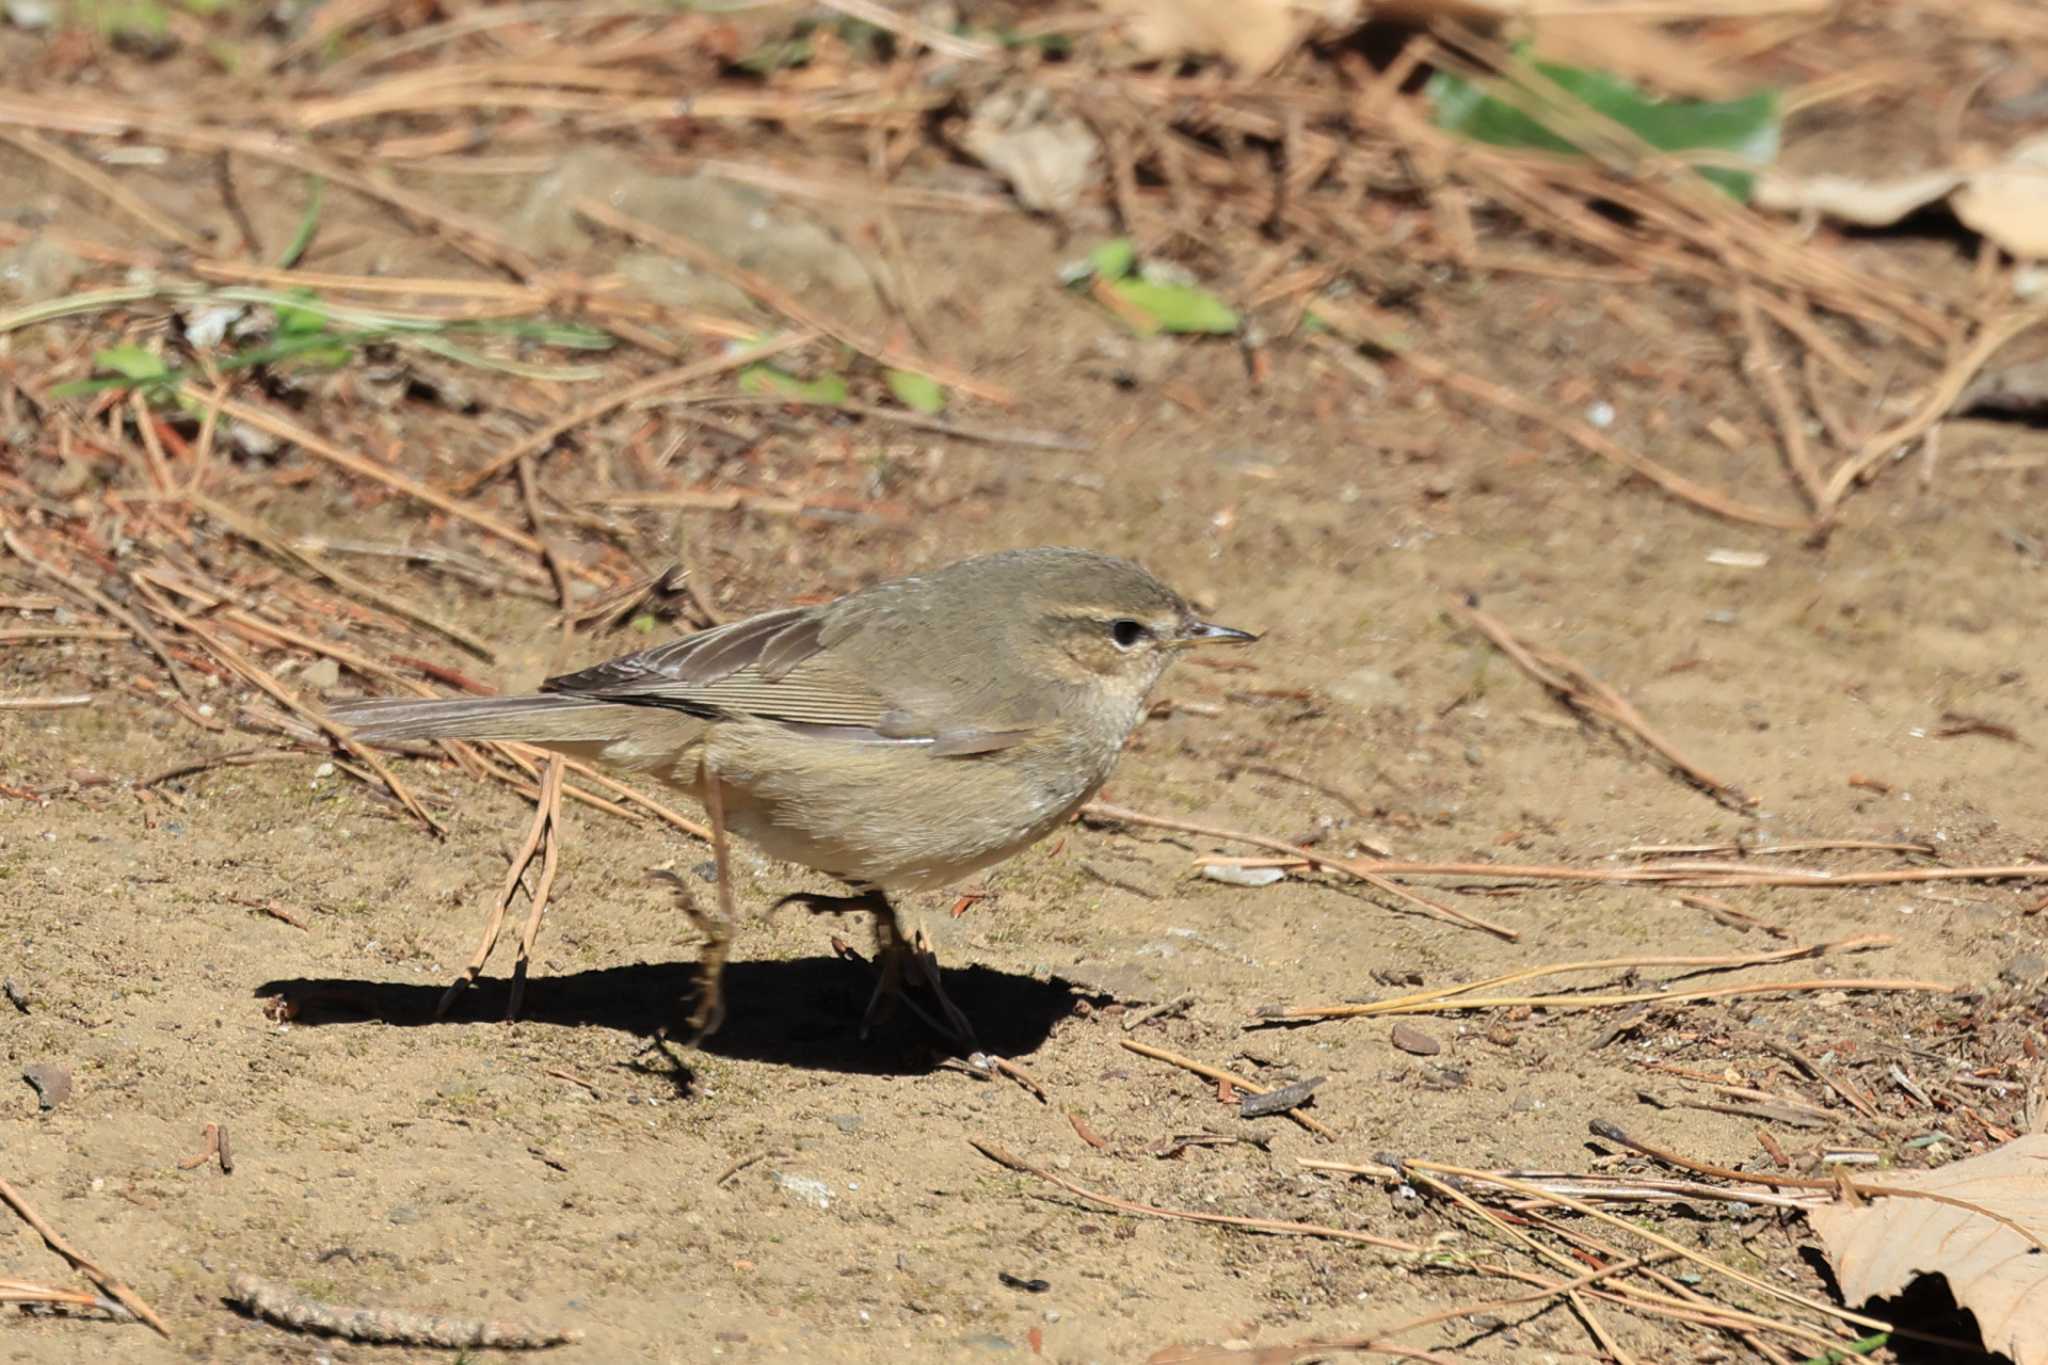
pixel 904 959
pixel 820 903
pixel 708 1010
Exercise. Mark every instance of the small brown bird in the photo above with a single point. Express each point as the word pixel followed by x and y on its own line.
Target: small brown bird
pixel 900 738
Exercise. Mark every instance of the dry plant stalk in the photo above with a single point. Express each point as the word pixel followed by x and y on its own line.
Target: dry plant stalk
pixel 100 602
pixel 1580 691
pixel 363 467
pixel 307 560
pixel 1380 1341
pixel 1269 1225
pixel 640 389
pixel 1676 1302
pixel 276 1304
pixel 1761 364
pixel 110 1284
pixel 779 300
pixel 1752 1282
pixel 1601 1336
pixel 1939 401
pixel 261 678
pixel 1371 875
pixel 1217 1073
pixel 542 841
pixel 1443 999
pixel 1299 1013
pixel 1665 874
pixel 1842 1185
pixel 106 187
pixel 21 1291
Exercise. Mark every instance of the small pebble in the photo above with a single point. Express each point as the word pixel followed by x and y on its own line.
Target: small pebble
pixel 1291 1096
pixel 803 1189
pixel 52 1083
pixel 1244 876
pixel 1444 1078
pixel 2025 970
pixel 1413 1040
pixel 31 14
pixel 987 1341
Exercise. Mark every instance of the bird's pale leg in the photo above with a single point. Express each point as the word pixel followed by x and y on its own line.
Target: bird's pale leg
pixel 717 930
pixel 897 955
pixel 888 963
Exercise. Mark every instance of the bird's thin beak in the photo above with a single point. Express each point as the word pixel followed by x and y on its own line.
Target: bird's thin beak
pixel 1203 633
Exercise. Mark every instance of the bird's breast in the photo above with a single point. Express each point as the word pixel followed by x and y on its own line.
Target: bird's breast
pixel 896 816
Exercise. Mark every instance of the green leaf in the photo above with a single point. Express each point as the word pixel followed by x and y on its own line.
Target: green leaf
pixel 294 320
pixel 773 57
pixel 1747 128
pixel 918 392
pixel 131 362
pixel 766 379
pixel 137 18
pixel 331 355
pixel 1178 307
pixel 1052 44
pixel 1114 258
pixel 79 388
pixel 134 368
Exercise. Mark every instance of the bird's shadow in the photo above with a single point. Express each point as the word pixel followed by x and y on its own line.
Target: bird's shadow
pixel 804 1012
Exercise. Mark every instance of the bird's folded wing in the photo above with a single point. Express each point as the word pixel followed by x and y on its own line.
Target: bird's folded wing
pixel 791 666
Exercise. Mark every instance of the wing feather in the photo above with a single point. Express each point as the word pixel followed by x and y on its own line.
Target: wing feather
pixel 788 666
pixel 766 665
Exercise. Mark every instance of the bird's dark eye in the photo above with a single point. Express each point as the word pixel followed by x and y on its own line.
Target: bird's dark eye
pixel 1127 633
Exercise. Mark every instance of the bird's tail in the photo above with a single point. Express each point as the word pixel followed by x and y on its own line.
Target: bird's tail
pixel 542 718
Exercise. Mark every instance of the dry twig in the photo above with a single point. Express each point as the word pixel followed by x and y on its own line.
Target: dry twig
pixel 1579 690
pixel 778 299
pixel 542 840
pixel 1278 1226
pixel 83 1264
pixel 1103 810
pixel 1217 1073
pixel 274 1303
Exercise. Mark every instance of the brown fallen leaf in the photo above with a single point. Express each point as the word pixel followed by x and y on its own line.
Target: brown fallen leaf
pixel 2003 196
pixel 2008 201
pixel 1880 1247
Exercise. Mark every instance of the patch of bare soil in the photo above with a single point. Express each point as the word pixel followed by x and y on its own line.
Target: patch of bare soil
pixel 259 945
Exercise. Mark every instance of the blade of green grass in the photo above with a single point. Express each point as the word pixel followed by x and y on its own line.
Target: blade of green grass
pixel 309 224
pixel 1490 112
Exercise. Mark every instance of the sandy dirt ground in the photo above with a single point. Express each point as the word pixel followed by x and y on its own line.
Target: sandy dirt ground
pixel 791 1191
